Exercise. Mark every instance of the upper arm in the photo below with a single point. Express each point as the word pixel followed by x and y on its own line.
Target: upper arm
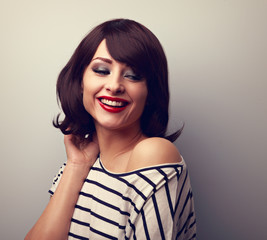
pixel 153 151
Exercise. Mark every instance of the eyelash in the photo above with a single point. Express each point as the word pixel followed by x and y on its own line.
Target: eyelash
pixel 134 77
pixel 103 72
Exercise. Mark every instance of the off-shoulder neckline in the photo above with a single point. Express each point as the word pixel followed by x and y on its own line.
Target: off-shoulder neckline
pixel 142 169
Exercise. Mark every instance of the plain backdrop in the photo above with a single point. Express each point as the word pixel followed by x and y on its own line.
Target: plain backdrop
pixel 217 57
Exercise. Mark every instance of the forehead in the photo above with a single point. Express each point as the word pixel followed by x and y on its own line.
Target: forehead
pixel 102 54
pixel 102 51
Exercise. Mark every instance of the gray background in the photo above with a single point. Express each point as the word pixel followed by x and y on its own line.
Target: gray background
pixel 218 71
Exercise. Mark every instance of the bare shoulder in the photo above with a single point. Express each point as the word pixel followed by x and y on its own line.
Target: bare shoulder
pixel 153 151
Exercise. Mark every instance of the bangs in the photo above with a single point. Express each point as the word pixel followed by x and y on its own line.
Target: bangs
pixel 129 50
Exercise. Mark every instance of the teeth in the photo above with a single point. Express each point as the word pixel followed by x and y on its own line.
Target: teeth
pixel 112 103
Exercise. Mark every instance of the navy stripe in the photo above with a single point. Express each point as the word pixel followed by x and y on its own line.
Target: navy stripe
pixel 80 222
pixel 167 192
pixel 122 180
pixel 135 171
pixel 169 199
pixel 180 209
pixel 190 226
pixel 105 203
pixel 133 227
pixel 178 172
pixel 77 236
pixel 83 208
pixel 103 234
pixel 133 187
pixel 146 179
pixel 55 180
pixel 52 193
pixel 158 216
pixel 99 216
pixel 56 177
pixel 185 224
pixel 145 224
pixel 181 190
pixel 114 192
pixel 193 237
pixel 189 195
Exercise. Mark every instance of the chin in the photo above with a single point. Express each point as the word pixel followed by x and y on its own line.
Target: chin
pixel 117 125
pixel 111 125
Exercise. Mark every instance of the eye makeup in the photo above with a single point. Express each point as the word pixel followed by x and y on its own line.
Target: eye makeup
pixel 132 75
pixel 102 69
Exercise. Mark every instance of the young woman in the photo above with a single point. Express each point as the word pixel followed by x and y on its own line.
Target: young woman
pixel 123 179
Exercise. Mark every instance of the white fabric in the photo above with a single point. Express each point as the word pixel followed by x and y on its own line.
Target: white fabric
pixel 149 203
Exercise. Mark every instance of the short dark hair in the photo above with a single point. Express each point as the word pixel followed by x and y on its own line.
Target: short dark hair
pixel 128 42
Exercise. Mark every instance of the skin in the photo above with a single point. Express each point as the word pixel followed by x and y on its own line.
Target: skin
pixel 106 77
pixel 54 223
pixel 117 133
pixel 119 139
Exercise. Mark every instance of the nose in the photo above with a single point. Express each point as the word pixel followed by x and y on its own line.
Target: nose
pixel 115 85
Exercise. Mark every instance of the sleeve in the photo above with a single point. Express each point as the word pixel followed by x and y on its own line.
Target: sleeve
pixel 169 212
pixel 56 180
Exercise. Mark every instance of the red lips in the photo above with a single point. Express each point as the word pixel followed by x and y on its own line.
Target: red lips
pixel 113 109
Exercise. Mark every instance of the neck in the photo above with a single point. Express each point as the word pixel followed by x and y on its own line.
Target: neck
pixel 117 145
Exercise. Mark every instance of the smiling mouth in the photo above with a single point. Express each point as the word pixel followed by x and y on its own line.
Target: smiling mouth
pixel 112 105
pixel 115 103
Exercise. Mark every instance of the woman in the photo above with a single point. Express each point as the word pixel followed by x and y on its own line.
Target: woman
pixel 124 179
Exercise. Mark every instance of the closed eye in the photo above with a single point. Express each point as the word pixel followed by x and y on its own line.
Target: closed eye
pixel 135 77
pixel 101 71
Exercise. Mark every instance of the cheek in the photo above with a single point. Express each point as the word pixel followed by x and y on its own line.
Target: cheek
pixel 88 96
pixel 89 86
pixel 142 95
pixel 86 102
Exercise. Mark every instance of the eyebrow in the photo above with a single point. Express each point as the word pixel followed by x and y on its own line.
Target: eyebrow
pixel 107 60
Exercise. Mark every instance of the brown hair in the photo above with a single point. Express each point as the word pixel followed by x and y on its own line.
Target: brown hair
pixel 128 42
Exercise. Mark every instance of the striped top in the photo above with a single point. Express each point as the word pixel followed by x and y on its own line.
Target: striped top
pixel 149 203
